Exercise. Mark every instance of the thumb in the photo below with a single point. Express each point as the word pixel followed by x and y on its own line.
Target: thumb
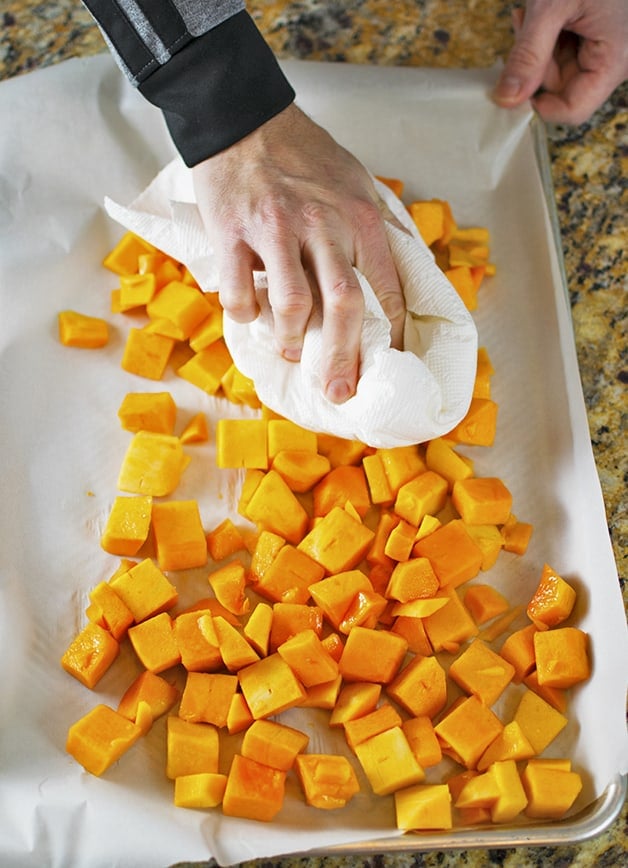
pixel 530 57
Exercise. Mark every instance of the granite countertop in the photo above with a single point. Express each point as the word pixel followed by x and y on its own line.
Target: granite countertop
pixel 589 170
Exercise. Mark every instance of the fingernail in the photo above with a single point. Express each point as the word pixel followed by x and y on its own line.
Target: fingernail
pixel 508 87
pixel 291 354
pixel 338 391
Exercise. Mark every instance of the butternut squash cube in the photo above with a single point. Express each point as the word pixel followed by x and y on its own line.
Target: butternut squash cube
pixel 241 443
pixel 518 649
pixel 157 693
pixel 258 628
pixel 254 791
pixel 273 744
pixel 461 278
pixel 128 525
pixel 288 578
pixel 206 368
pixel 197 642
pixel 424 807
pixel 340 451
pixel 365 610
pixel 516 535
pixel 378 720
pixel 301 470
pixel 154 643
pixel 467 730
pixel 328 780
pixel 556 696
pixel 308 658
pixel 411 580
pixel 224 540
pixel 342 484
pixel 323 695
pixel 124 257
pixel 196 430
pixel 443 459
pixel 145 590
pixel 180 304
pixel 288 619
pixel 79 330
pixel 413 631
pixel 478 426
pixel 562 657
pixel 421 687
pixel 480 791
pixel 146 354
pixel 379 488
pixel 539 722
pixel 234 648
pixel 191 748
pixel 136 290
pixel 401 539
pixel 455 556
pixel 510 744
pixel 201 790
pixel 355 700
pixel 401 464
pixel 179 536
pixel 481 671
pixel 512 798
pixel 337 542
pixel 270 686
pixel 550 791
pixel 482 500
pixel 109 611
pixel 90 654
pixel 552 601
pixel 284 434
pixel 372 655
pixel 274 507
pixel 228 584
pixel 426 494
pixel 484 602
pixel 388 762
pixel 239 717
pixel 428 217
pixel 99 738
pixel 489 539
pixel 422 739
pixel 450 625
pixel 152 465
pixel 206 697
pixel 148 411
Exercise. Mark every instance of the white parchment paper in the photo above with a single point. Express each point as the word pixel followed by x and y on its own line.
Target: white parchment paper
pixel 76 133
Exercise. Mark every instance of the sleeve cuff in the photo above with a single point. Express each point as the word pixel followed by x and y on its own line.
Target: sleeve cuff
pixel 218 89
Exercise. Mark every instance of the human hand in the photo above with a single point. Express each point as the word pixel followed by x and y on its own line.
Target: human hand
pixel 289 200
pixel 574 52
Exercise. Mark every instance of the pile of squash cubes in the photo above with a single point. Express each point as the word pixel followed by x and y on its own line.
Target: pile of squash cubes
pixel 346 589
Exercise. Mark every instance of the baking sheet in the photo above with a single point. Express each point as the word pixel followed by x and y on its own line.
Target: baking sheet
pixel 76 133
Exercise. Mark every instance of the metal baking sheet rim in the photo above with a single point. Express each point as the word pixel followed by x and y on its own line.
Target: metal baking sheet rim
pixel 600 814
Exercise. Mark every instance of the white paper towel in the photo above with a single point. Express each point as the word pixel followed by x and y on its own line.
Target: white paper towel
pixel 402 397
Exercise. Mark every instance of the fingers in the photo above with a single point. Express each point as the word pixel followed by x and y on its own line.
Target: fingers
pixel 525 68
pixel 289 294
pixel 237 290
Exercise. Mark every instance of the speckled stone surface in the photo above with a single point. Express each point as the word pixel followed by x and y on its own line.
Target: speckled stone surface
pixel 590 171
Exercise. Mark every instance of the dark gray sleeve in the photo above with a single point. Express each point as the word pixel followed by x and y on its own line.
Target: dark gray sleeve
pixel 202 62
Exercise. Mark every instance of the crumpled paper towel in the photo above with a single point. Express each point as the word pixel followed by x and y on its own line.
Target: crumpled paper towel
pixel 403 397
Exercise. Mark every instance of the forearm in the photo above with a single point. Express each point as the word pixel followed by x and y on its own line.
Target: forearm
pixel 205 66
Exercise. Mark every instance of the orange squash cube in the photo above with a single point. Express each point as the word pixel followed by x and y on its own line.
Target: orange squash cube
pixel 455 556
pixel 239 717
pixel 128 525
pixel 562 657
pixel 411 580
pixel 234 648
pixel 422 739
pixel 426 494
pixel 338 542
pixel 335 594
pixel 552 601
pixel 550 790
pixel 401 464
pixel 443 459
pixel 145 590
pixel 242 443
pixel 372 655
pixel 450 625
pixel 388 762
pixel 224 540
pixel 148 411
pixel 228 584
pixel 253 791
pixel 342 484
pixel 518 649
pixel 308 658
pixel 379 488
pixel 288 578
pixel 90 654
pixel 202 790
pixel 100 738
pixel 401 539
pixel 152 465
pixel 274 507
pixel 197 642
pixel 467 730
pixel 484 602
pixel 179 535
pixel 270 686
pixel 482 500
pixel 461 278
pixel 339 451
pixel 288 619
pixel 79 330
pixel 512 798
pixel 355 700
pixel 206 368
pixel 429 219
pixel 300 469
pixel 539 721
pixel 146 354
pixel 191 748
pixel 510 744
pixel 421 687
pixel 413 632
pixel 196 430
pixel 157 693
pixel 378 720
pixel 479 670
pixel 478 426
pixel 516 535
pixel 273 744
pixel 206 697
pixel 424 807
pixel 328 780
pixel 109 611
pixel 154 643
pixel 182 305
